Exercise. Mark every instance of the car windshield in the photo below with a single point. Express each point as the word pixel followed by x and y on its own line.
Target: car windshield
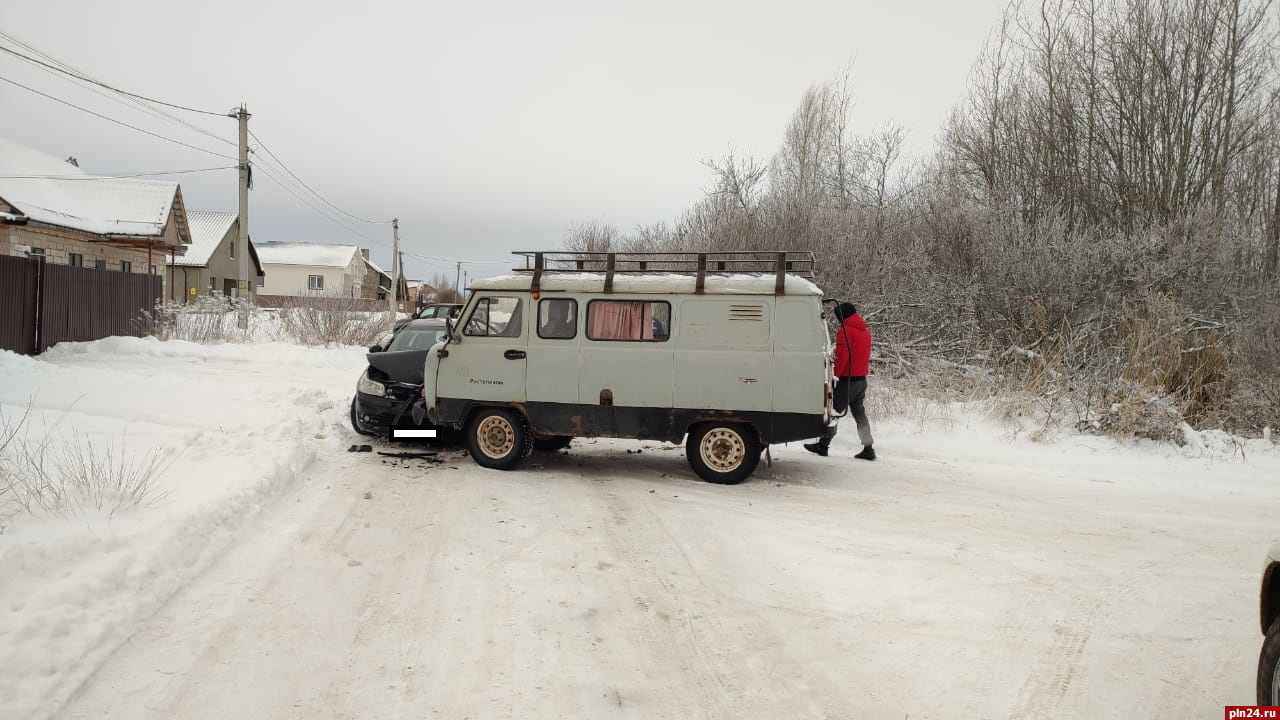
pixel 417 339
pixel 439 311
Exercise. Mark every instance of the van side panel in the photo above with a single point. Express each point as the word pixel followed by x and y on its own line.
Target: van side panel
pixel 552 366
pixel 800 362
pixel 667 424
pixel 631 373
pixel 723 357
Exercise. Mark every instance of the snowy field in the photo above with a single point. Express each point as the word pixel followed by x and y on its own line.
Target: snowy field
pixel 968 573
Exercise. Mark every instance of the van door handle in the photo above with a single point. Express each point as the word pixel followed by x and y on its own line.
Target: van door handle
pixel 513 354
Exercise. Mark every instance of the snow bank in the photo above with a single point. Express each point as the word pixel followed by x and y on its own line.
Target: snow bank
pixel 1023 533
pixel 242 424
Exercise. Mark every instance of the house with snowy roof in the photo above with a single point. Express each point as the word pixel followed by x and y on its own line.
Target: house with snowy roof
pixel 377 283
pixel 309 270
pixel 210 264
pixel 51 207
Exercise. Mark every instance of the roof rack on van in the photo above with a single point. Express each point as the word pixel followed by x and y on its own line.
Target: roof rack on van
pixel 778 263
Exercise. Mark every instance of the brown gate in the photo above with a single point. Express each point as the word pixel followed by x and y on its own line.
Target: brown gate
pixel 19 293
pixel 43 304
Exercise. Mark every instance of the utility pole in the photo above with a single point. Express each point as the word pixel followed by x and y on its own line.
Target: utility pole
pixel 404 297
pixel 457 280
pixel 242 242
pixel 394 290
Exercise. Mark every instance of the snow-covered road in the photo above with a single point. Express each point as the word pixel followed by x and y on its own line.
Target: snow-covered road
pixel 963 575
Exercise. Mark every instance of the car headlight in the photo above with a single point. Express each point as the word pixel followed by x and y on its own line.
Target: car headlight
pixel 370 387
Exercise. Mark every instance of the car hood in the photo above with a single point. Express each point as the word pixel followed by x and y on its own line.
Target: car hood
pixel 404 366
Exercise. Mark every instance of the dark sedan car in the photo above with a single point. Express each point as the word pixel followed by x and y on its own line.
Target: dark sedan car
pixel 442 311
pixel 393 379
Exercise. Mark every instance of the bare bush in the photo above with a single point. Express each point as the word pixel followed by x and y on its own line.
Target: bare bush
pixel 333 321
pixel 10 427
pixel 208 319
pixel 1099 228
pixel 445 290
pixel 53 475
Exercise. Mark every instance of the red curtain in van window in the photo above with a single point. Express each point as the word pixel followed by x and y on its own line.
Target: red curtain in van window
pixel 610 320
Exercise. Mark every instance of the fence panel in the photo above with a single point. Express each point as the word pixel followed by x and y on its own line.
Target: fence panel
pixel 86 304
pixel 330 302
pixel 19 288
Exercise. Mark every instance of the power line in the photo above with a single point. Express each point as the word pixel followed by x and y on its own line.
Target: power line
pixel 80 76
pixel 266 170
pixel 113 120
pixel 313 192
pixel 116 176
pixel 140 102
pixel 453 261
pixel 72 74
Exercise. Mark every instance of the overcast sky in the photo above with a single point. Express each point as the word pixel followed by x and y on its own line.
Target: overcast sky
pixel 485 127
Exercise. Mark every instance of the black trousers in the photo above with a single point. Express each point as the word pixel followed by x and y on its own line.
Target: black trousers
pixel 850 394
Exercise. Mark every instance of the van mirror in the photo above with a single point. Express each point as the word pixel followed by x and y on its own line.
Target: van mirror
pixel 375 348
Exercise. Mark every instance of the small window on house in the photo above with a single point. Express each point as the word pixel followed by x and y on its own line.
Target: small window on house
pixel 75 259
pixel 260 280
pixel 99 264
pixel 495 317
pixel 126 266
pixel 628 320
pixel 558 319
pixel 37 251
pixel 315 282
pixel 213 284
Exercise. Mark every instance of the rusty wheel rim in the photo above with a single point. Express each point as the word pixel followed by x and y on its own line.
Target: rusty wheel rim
pixel 723 450
pixel 496 436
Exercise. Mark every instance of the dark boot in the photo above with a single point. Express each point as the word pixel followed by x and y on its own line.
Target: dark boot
pixel 816 448
pixel 866 454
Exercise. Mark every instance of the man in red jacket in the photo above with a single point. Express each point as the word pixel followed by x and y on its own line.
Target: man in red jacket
pixel 853 357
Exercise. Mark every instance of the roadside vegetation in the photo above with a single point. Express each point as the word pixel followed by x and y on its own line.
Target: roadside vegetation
pixel 1096 236
pixel 46 472
pixel 322 320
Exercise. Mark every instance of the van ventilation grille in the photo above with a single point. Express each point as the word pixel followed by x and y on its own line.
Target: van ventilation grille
pixel 746 312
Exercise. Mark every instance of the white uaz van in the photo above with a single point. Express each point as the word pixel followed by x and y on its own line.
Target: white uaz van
pixel 704 347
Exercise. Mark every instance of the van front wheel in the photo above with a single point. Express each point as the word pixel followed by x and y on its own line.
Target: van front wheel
pixel 499 438
pixel 725 454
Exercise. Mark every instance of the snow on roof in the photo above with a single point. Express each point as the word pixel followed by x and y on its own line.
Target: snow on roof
pixel 74 199
pixel 207 231
pixel 658 283
pixel 375 267
pixel 290 253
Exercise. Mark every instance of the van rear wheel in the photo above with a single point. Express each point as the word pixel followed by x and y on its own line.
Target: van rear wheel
pixel 498 438
pixel 725 454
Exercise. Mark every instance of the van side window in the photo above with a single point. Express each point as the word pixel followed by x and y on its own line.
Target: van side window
pixel 495 317
pixel 558 319
pixel 629 320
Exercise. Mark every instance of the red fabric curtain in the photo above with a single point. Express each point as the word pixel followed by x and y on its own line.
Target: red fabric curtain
pixel 610 320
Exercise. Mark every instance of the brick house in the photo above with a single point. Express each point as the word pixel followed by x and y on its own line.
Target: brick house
pixel 210 263
pixel 53 208
pixel 377 282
